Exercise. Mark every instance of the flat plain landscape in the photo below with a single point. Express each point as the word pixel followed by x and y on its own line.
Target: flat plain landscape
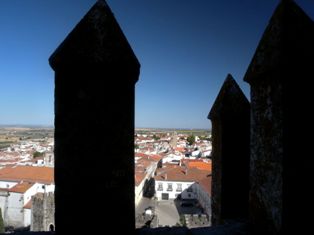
pixel 13 134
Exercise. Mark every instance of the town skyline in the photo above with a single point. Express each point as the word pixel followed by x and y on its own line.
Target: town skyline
pixel 186 49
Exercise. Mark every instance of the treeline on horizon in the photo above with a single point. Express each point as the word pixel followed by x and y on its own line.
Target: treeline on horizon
pixel 199 132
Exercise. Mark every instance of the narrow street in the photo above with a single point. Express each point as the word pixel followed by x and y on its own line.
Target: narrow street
pixel 167 213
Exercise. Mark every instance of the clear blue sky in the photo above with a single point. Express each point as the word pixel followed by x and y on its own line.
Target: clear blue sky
pixel 186 48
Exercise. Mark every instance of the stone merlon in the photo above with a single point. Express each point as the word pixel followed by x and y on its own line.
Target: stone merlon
pixel 230 100
pixel 287 42
pixel 96 40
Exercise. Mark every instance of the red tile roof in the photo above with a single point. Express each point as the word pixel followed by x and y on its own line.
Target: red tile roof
pixel 180 173
pixel 140 155
pixel 156 157
pixel 28 173
pixel 206 184
pixel 199 164
pixel 21 187
pixel 139 176
pixel 180 149
pixel 142 164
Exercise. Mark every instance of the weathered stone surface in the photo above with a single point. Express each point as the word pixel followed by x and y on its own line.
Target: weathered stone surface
pixel 95 72
pixel 281 95
pixel 267 156
pixel 230 116
pixel 43 212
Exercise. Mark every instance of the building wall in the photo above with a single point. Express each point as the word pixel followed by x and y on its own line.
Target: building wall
pixel 4 203
pixel 42 188
pixel 175 190
pixel 172 157
pixel 139 189
pixel 3 197
pixel 139 192
pixel 189 192
pixel 27 217
pixel 12 204
pixel 7 184
pixel 203 198
pixel 31 191
pixel 50 188
pixel 15 213
pixel 151 170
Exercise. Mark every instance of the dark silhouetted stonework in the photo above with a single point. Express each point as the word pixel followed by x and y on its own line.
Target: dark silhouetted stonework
pixel 43 212
pixel 95 74
pixel 230 116
pixel 281 169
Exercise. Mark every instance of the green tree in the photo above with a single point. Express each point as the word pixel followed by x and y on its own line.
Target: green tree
pixel 182 220
pixel 37 154
pixel 156 137
pixel 191 139
pixel 1 223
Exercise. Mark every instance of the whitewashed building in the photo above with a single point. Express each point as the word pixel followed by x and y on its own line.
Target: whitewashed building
pixel 168 189
pixel 17 186
pixel 174 180
pixel 145 167
pixel 172 158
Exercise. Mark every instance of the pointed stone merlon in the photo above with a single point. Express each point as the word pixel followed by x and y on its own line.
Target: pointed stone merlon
pixel 95 73
pixel 230 116
pixel 286 43
pixel 280 75
pixel 96 41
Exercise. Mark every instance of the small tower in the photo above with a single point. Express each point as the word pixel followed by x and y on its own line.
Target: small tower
pixel 173 140
pixel 230 116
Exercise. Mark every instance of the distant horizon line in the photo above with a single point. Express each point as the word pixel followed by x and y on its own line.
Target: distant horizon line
pixel 173 128
pixel 52 126
pixel 26 125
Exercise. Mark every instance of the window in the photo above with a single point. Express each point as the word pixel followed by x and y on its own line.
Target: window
pixel 160 188
pixel 165 196
pixel 169 187
pixel 179 188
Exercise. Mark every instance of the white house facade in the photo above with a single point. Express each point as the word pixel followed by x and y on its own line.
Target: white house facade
pixel 17 186
pixel 167 189
pixel 14 200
